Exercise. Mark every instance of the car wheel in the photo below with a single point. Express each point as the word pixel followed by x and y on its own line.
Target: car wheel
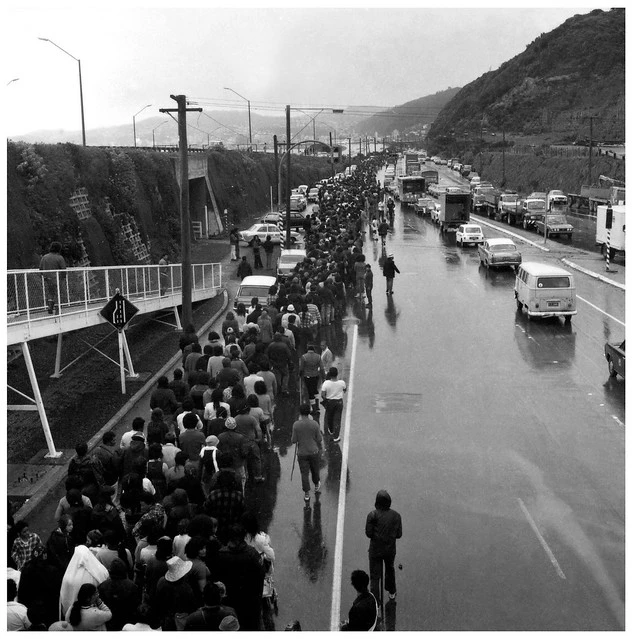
pixel 611 370
pixel 568 319
pixel 518 304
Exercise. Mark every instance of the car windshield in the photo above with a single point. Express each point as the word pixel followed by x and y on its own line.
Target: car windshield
pixel 503 247
pixel 558 281
pixel 535 205
pixel 254 291
pixel 557 219
pixel 473 229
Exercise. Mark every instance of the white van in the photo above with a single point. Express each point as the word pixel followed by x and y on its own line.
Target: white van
pixel 545 291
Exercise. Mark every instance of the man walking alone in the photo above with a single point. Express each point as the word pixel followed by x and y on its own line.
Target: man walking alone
pixel 389 271
pixel 308 439
pixel 383 528
pixel 332 392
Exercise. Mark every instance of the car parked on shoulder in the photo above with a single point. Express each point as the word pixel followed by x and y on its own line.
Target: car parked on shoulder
pixel 298 203
pixel 499 251
pixel 555 225
pixel 434 213
pixel 263 230
pixel 303 188
pixel 271 218
pixel 615 356
pixel 255 286
pixel 469 234
pixel 312 196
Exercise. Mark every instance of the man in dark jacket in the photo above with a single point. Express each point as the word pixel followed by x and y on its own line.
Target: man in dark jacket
pixel 383 528
pixel 363 612
pixel 240 569
pixel 121 595
pixel 389 271
pixel 280 358
pixel 210 615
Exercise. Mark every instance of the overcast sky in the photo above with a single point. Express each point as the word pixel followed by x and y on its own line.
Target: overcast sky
pixel 131 56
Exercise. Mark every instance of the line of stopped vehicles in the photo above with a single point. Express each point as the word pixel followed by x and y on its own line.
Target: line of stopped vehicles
pixel 540 290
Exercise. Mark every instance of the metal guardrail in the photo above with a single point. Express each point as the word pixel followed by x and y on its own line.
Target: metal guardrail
pixel 76 290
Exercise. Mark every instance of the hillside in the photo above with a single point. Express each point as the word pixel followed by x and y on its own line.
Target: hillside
pixel 575 71
pixel 406 117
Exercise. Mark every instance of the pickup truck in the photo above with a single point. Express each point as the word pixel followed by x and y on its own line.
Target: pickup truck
pixel 480 195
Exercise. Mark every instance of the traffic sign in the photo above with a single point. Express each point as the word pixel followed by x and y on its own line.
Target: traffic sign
pixel 118 311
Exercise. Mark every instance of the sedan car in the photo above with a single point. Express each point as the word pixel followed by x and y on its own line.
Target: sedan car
pixel 271 218
pixel 615 356
pixel 298 203
pixel 263 230
pixel 499 251
pixel 312 196
pixel 556 225
pixel 288 259
pixel 469 234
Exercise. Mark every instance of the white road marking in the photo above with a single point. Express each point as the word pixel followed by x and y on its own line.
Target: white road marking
pixel 342 495
pixel 541 539
pixel 600 310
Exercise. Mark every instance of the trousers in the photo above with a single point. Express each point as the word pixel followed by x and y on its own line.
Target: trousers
pixel 375 573
pixel 309 464
pixel 333 415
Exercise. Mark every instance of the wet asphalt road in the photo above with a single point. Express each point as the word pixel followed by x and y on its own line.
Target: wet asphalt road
pixel 500 440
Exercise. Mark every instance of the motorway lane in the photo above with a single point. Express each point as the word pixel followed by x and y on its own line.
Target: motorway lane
pixel 487 428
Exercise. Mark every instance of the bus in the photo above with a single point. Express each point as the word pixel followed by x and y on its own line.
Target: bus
pixel 411 187
pixel 431 176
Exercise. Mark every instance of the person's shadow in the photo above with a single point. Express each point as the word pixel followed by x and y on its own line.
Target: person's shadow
pixel 313 552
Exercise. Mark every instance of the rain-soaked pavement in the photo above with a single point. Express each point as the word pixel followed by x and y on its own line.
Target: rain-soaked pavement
pixel 500 440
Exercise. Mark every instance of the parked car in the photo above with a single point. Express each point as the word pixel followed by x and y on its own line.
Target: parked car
pixel 469 234
pixel 263 230
pixel 474 179
pixel 288 259
pixel 271 218
pixel 302 189
pixel 615 356
pixel 312 196
pixel 434 213
pixel 499 251
pixel 555 225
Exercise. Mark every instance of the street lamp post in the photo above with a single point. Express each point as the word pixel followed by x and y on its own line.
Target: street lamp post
pixel 83 124
pixel 249 122
pixel 153 137
pixel 134 121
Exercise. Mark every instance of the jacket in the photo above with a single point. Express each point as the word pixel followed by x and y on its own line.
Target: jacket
pixel 383 527
pixel 390 269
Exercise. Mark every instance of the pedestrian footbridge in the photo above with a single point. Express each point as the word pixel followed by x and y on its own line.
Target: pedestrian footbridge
pixel 81 293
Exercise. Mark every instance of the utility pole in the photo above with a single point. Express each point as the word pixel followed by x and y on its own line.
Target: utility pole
pixel 288 189
pixel 185 218
pixel 349 151
pixel 276 172
pixel 375 144
pixel 503 184
pixel 590 146
pixel 331 155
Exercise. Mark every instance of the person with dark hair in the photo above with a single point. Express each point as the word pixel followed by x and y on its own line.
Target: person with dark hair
pixel 195 552
pixel 143 620
pixel 244 269
pixel 215 362
pixel 120 594
pixel 260 541
pixel 310 367
pixel 107 460
pixel 60 546
pixel 176 473
pixel 332 391
pixel 52 261
pixel 191 361
pixel 163 397
pixel 156 568
pixel 228 376
pixel 40 584
pixel 383 528
pixel 37 617
pixel 308 439
pixel 133 455
pixel 210 615
pixel 188 337
pixel 82 465
pixel 389 271
pixel 239 568
pixel 179 387
pixel 105 515
pixel 225 503
pixel 63 507
pixel 280 358
pixel 17 614
pixel 137 430
pixel 157 428
pixel 170 450
pixel 199 387
pixel 187 408
pixel 230 322
pixel 233 238
pixel 25 544
pixel 88 612
pixel 114 548
pixel 192 439
pixel 236 446
pixel 156 469
pixel 363 614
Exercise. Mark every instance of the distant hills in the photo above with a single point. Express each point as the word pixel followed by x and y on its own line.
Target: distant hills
pixel 552 89
pixel 408 117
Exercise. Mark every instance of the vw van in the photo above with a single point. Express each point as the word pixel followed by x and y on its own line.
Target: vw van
pixel 545 291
